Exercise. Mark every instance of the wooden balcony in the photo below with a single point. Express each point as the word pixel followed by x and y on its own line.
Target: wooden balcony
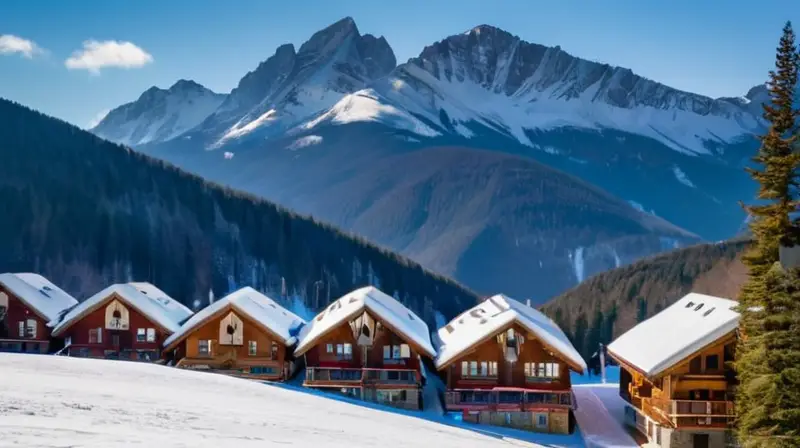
pixel 507 399
pixel 354 377
pixel 690 413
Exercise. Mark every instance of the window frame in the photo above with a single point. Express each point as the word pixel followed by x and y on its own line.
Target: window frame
pixel 141 335
pixel 252 348
pixel 151 335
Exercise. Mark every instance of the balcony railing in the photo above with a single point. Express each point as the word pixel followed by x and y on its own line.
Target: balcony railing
pixel 360 376
pixel 507 399
pixel 691 412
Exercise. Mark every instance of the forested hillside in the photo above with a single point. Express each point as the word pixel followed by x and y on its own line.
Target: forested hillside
pixel 85 213
pixel 609 304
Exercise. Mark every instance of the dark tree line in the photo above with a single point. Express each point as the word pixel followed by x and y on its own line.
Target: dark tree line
pixel 86 212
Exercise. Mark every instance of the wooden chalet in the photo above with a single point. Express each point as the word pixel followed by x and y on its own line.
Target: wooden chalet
pixel 507 364
pixel 27 303
pixel 675 373
pixel 244 334
pixel 123 321
pixel 369 346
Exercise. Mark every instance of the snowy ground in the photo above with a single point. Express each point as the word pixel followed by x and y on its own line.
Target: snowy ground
pixel 49 401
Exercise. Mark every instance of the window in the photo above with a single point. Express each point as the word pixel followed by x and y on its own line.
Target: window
pixel 402 351
pixel 204 347
pixel 260 370
pixel 712 362
pixel 694 365
pixel 464 368
pixel 115 340
pixel 473 368
pixel 541 421
pixel 274 351
pixel 252 348
pixel 21 329
pixel 547 370
pixel 344 351
pixel 141 335
pixel 151 335
pixel 329 348
pixel 30 330
pixel 96 336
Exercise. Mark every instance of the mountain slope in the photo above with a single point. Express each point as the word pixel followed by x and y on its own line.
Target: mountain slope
pixel 609 304
pixel 85 213
pixel 672 154
pixel 501 221
pixel 159 115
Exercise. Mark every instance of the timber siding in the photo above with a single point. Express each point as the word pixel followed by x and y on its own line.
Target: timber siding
pixel 234 358
pixel 18 312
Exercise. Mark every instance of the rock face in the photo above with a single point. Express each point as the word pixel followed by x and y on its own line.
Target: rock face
pixel 159 115
pixel 336 129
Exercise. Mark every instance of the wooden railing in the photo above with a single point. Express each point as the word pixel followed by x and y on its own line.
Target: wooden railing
pixel 358 377
pixel 507 400
pixel 691 412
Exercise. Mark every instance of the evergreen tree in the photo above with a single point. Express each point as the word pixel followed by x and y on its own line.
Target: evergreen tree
pixel 760 360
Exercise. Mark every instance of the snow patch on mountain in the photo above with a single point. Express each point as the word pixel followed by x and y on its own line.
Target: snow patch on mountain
pixel 159 115
pixel 682 177
pixel 640 207
pixel 302 142
pixel 578 265
pixel 365 106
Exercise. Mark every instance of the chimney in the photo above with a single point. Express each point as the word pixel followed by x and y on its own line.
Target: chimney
pixel 789 256
pixel 528 302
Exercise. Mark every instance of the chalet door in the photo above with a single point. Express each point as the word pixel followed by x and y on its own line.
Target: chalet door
pixel 508 375
pixel 115 341
pixel 700 441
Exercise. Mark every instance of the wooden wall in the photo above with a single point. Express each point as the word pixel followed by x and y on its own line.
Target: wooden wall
pixel 509 374
pixel 79 331
pixel 251 331
pixel 18 311
pixel 317 356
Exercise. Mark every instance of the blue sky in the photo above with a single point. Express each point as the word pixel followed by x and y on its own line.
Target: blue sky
pixel 713 47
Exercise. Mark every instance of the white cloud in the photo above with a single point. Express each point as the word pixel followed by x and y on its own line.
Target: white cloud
pixel 110 53
pixel 98 118
pixel 10 44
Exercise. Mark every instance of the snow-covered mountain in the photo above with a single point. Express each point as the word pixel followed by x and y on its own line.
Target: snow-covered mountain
pixel 335 129
pixel 159 115
pixel 292 85
pixel 492 80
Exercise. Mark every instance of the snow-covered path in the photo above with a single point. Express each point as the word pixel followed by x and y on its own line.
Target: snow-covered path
pixel 599 415
pixel 53 401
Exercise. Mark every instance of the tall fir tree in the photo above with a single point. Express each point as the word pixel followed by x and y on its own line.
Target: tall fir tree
pixel 759 400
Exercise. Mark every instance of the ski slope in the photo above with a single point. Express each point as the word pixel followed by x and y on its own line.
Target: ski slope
pixel 59 401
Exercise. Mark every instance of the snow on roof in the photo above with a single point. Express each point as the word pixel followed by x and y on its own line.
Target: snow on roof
pixel 691 323
pixel 384 308
pixel 252 304
pixel 38 293
pixel 492 316
pixel 146 298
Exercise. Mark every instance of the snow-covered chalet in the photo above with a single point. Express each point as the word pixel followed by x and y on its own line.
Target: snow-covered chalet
pixel 27 303
pixel 369 346
pixel 245 334
pixel 127 321
pixel 676 375
pixel 507 364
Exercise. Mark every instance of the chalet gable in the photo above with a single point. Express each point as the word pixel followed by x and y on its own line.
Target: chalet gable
pixel 37 293
pixel 245 303
pixel 361 310
pixel 145 298
pixel 676 334
pixel 493 317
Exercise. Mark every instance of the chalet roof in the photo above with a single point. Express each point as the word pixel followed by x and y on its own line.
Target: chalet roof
pixel 144 297
pixel 690 324
pixel 381 305
pixel 493 315
pixel 38 293
pixel 252 304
